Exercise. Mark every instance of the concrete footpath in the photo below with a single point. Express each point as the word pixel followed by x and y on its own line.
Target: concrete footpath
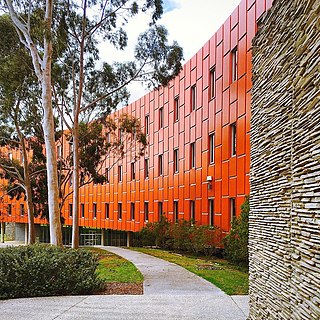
pixel 170 292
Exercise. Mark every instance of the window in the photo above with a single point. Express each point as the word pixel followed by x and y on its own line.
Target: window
pixel 82 210
pixel 133 171
pixel 70 146
pixel 211 148
pixel 234 64
pixel 160 210
pixel 132 211
pixel 120 173
pixel 59 150
pixel 10 156
pixel 108 137
pixel 176 160
pixel 160 165
pixel 175 211
pixel 119 211
pixel 120 135
pixel 146 211
pixel 192 155
pixel 146 168
pixel 107 175
pixel 70 209
pixel 94 208
pixel 192 211
pixel 233 139
pixel 160 117
pixel 176 109
pixel 232 208
pixel 211 212
pixel 107 208
pixel 212 82
pixel 21 209
pixel 146 124
pixel 9 209
pixel 193 97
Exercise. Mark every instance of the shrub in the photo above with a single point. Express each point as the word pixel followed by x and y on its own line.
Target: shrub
pixel 236 242
pixel 40 270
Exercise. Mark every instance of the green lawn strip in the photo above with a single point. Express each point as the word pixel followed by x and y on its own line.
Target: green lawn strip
pixel 113 268
pixel 229 278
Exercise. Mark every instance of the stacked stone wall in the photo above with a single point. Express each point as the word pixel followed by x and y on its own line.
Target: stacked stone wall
pixel 285 164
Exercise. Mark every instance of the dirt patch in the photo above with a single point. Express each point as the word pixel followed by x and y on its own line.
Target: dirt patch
pixel 119 288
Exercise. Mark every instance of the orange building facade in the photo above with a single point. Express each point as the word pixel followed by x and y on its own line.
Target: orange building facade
pixel 197 161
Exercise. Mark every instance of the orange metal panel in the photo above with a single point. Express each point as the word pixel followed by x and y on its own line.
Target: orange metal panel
pixel 226 36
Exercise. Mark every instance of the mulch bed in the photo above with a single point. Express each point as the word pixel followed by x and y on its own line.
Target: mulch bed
pixel 119 288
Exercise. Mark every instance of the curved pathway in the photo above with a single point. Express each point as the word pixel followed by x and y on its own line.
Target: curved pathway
pixel 170 292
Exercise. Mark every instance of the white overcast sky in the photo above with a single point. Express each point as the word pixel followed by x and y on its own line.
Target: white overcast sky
pixel 190 22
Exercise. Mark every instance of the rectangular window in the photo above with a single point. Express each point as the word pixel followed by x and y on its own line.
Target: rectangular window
pixel 176 160
pixel 9 209
pixel 146 211
pixel 234 64
pixel 94 208
pixel 160 165
pixel 176 109
pixel 132 211
pixel 82 210
pixel 212 82
pixel 192 155
pixel 192 211
pixel 70 209
pixel 146 124
pixel 119 173
pixel 119 211
pixel 107 213
pixel 160 210
pixel 59 150
pixel 211 212
pixel 146 168
pixel 107 175
pixel 232 208
pixel 108 137
pixel 176 211
pixel 233 139
pixel 160 117
pixel 133 171
pixel 120 136
pixel 21 209
pixel 211 148
pixel 193 97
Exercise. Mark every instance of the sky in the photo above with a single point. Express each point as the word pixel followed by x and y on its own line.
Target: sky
pixel 190 22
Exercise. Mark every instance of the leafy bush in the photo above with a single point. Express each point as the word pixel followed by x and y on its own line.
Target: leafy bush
pixel 236 242
pixel 39 270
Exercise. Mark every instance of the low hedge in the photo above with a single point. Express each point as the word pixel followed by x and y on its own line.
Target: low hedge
pixel 41 270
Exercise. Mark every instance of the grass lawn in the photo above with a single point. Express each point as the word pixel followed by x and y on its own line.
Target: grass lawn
pixel 113 268
pixel 229 278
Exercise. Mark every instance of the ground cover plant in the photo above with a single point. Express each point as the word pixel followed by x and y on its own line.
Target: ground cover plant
pixel 231 279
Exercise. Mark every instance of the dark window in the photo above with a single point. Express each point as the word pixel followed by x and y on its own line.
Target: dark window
pixel 70 209
pixel 193 97
pixel 108 137
pixel 232 208
pixel 213 82
pixel 59 150
pixel 234 64
pixel 9 209
pixel 211 148
pixel 133 171
pixel 176 160
pixel 160 210
pixel 233 139
pixel 132 211
pixel 107 208
pixel 146 124
pixel 160 117
pixel 176 211
pixel 192 155
pixel 82 210
pixel 119 173
pixel 146 211
pixel 94 211
pixel 160 165
pixel 21 209
pixel 192 211
pixel 120 133
pixel 107 175
pixel 146 168
pixel 176 109
pixel 211 212
pixel 119 211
